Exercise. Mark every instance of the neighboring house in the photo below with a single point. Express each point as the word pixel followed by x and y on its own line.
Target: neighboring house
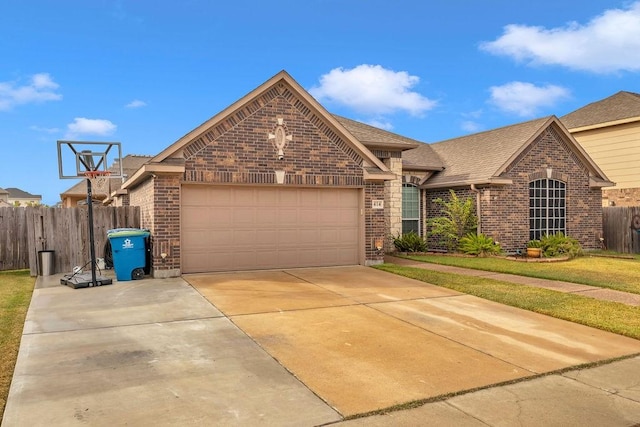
pixel 4 198
pixel 18 197
pixel 104 190
pixel 609 130
pixel 276 181
pixel 527 180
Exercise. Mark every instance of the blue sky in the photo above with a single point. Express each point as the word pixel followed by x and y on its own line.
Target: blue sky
pixel 144 73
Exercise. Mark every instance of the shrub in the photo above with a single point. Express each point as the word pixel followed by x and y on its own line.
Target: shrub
pixel 410 242
pixel 479 245
pixel 535 243
pixel 458 220
pixel 560 245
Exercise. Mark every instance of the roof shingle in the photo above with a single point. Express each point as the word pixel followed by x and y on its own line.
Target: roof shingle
pixel 622 105
pixel 479 157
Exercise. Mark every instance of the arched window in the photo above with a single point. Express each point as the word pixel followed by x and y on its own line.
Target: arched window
pixel 410 208
pixel 547 208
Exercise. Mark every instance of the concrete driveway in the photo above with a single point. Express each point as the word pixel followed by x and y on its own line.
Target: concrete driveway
pixel 148 352
pixel 363 339
pixel 295 347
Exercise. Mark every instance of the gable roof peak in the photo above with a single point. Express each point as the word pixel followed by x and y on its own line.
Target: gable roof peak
pixel 623 105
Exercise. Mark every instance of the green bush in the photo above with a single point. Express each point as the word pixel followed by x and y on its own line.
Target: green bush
pixel 459 218
pixel 479 245
pixel 410 242
pixel 560 245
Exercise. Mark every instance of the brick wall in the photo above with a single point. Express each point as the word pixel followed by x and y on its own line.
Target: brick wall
pixel 621 197
pixel 375 227
pixel 549 154
pixel 166 220
pixel 240 152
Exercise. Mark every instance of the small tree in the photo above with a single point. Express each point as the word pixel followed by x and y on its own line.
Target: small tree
pixel 458 220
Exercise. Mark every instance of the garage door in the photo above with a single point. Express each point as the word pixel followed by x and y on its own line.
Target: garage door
pixel 249 228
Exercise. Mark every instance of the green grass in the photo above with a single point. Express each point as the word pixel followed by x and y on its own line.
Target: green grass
pixel 609 316
pixel 16 288
pixel 604 272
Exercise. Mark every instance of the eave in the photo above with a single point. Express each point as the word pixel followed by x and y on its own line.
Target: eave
pixel 467 183
pixel 151 169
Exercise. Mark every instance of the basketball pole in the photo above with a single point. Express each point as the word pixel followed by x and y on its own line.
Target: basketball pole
pixel 92 249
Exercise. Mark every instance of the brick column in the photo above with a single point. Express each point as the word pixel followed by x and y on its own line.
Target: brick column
pixel 393 203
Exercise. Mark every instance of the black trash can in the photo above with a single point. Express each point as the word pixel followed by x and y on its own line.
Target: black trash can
pixel 46 263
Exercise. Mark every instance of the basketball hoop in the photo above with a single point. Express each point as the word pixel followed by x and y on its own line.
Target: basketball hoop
pixel 99 180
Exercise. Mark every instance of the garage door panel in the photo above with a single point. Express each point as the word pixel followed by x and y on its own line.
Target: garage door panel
pixel 346 236
pixel 245 228
pixel 266 237
pixel 308 236
pixel 288 199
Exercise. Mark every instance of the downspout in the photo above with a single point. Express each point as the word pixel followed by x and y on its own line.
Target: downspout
pixel 478 212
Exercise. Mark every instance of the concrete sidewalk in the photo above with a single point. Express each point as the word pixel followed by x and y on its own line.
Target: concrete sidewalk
pixel 555 285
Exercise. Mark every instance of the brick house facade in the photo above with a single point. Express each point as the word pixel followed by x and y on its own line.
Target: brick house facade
pixel 236 149
pixel 517 156
pixel 275 181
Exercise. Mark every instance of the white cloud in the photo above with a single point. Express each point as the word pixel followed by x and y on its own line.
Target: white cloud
pixel 372 89
pixel 83 126
pixel 608 43
pixel 44 130
pixel 525 99
pixel 40 88
pixel 136 103
pixel 470 126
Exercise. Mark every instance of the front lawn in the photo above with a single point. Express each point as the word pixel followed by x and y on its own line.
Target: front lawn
pixel 16 288
pixel 604 272
pixel 609 316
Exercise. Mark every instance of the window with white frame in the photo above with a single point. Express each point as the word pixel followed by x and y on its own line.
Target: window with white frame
pixel 547 208
pixel 410 208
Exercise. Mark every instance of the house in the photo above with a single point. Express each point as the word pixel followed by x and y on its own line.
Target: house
pixel 609 130
pixel 4 198
pixel 103 189
pixel 527 180
pixel 276 181
pixel 18 197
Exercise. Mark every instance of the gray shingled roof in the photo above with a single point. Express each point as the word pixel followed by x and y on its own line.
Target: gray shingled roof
pixel 622 105
pixel 480 157
pixel 373 137
pixel 16 193
pixel 130 164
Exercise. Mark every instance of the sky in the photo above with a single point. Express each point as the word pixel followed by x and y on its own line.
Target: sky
pixel 146 72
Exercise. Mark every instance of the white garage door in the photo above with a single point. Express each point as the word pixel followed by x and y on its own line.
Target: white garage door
pixel 249 228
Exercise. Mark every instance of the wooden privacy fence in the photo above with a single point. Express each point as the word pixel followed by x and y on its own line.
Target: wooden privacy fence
pixel 620 229
pixel 26 231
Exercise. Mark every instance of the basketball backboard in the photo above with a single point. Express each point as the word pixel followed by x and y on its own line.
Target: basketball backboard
pixel 77 157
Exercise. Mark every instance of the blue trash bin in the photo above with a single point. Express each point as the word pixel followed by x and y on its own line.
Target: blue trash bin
pixel 129 252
